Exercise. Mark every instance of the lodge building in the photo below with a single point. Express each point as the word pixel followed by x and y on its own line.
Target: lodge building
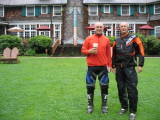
pixel 68 19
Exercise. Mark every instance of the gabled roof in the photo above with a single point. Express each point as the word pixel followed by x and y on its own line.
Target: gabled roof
pixel 32 2
pixel 118 1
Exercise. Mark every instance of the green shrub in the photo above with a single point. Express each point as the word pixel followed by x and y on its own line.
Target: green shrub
pixel 143 39
pixel 111 38
pixel 9 41
pixel 30 52
pixel 40 43
pixel 153 45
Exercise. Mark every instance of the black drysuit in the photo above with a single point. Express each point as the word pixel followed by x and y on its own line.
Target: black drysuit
pixel 124 59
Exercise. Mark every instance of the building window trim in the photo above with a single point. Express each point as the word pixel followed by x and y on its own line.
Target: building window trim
pixel 109 31
pixel 89 9
pixel 2 12
pixel 157 31
pixel 46 9
pixel 57 30
pixel 156 8
pixel 28 11
pixel 127 11
pixel 140 9
pixel 54 10
pixel 31 32
pixel 108 8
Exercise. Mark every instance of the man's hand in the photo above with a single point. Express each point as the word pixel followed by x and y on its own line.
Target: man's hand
pixel 109 69
pixel 139 69
pixel 93 51
pixel 114 70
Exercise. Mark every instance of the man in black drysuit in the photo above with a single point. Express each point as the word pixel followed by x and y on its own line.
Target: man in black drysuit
pixel 125 49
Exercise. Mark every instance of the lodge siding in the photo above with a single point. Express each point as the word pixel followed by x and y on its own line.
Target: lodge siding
pixel 18 13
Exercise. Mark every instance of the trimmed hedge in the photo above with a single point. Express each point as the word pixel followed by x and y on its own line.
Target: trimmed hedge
pixel 9 41
pixel 40 43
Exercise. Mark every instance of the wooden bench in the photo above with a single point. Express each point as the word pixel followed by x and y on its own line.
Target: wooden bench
pixel 10 56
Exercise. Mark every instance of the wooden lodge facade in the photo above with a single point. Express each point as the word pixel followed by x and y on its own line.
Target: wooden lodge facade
pixel 68 19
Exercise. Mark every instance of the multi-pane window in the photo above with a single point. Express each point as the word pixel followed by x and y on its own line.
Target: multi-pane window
pixel 131 28
pixel 26 27
pixel 109 31
pixel 33 27
pixel 57 31
pixel 117 31
pixel 1 11
pixel 30 10
pixel 93 10
pixel 26 34
pixel 142 9
pixel 91 32
pixel 157 31
pixel 57 10
pixel 106 9
pixel 125 10
pixel 33 31
pixel 44 9
pixel 29 31
pixel 157 8
pixel 21 34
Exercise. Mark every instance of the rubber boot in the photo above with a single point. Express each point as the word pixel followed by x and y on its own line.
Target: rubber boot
pixel 90 103
pixel 104 103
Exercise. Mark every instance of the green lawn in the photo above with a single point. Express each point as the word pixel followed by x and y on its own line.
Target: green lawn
pixel 54 89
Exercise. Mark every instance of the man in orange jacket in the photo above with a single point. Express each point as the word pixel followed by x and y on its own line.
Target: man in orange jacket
pixel 97 49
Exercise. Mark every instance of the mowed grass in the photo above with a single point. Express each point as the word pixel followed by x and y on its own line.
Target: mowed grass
pixel 54 89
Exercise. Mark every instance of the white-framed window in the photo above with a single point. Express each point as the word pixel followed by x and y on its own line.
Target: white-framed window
pixel 117 31
pixel 27 34
pixel 29 30
pixel 157 31
pixel 125 10
pixel 57 31
pixel 57 10
pixel 26 31
pixel 142 9
pixel 93 10
pixel 157 8
pixel 91 32
pixel 30 11
pixel 1 11
pixel 106 8
pixel 131 28
pixel 33 32
pixel 46 32
pixel 109 31
pixel 44 9
pixel 21 34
